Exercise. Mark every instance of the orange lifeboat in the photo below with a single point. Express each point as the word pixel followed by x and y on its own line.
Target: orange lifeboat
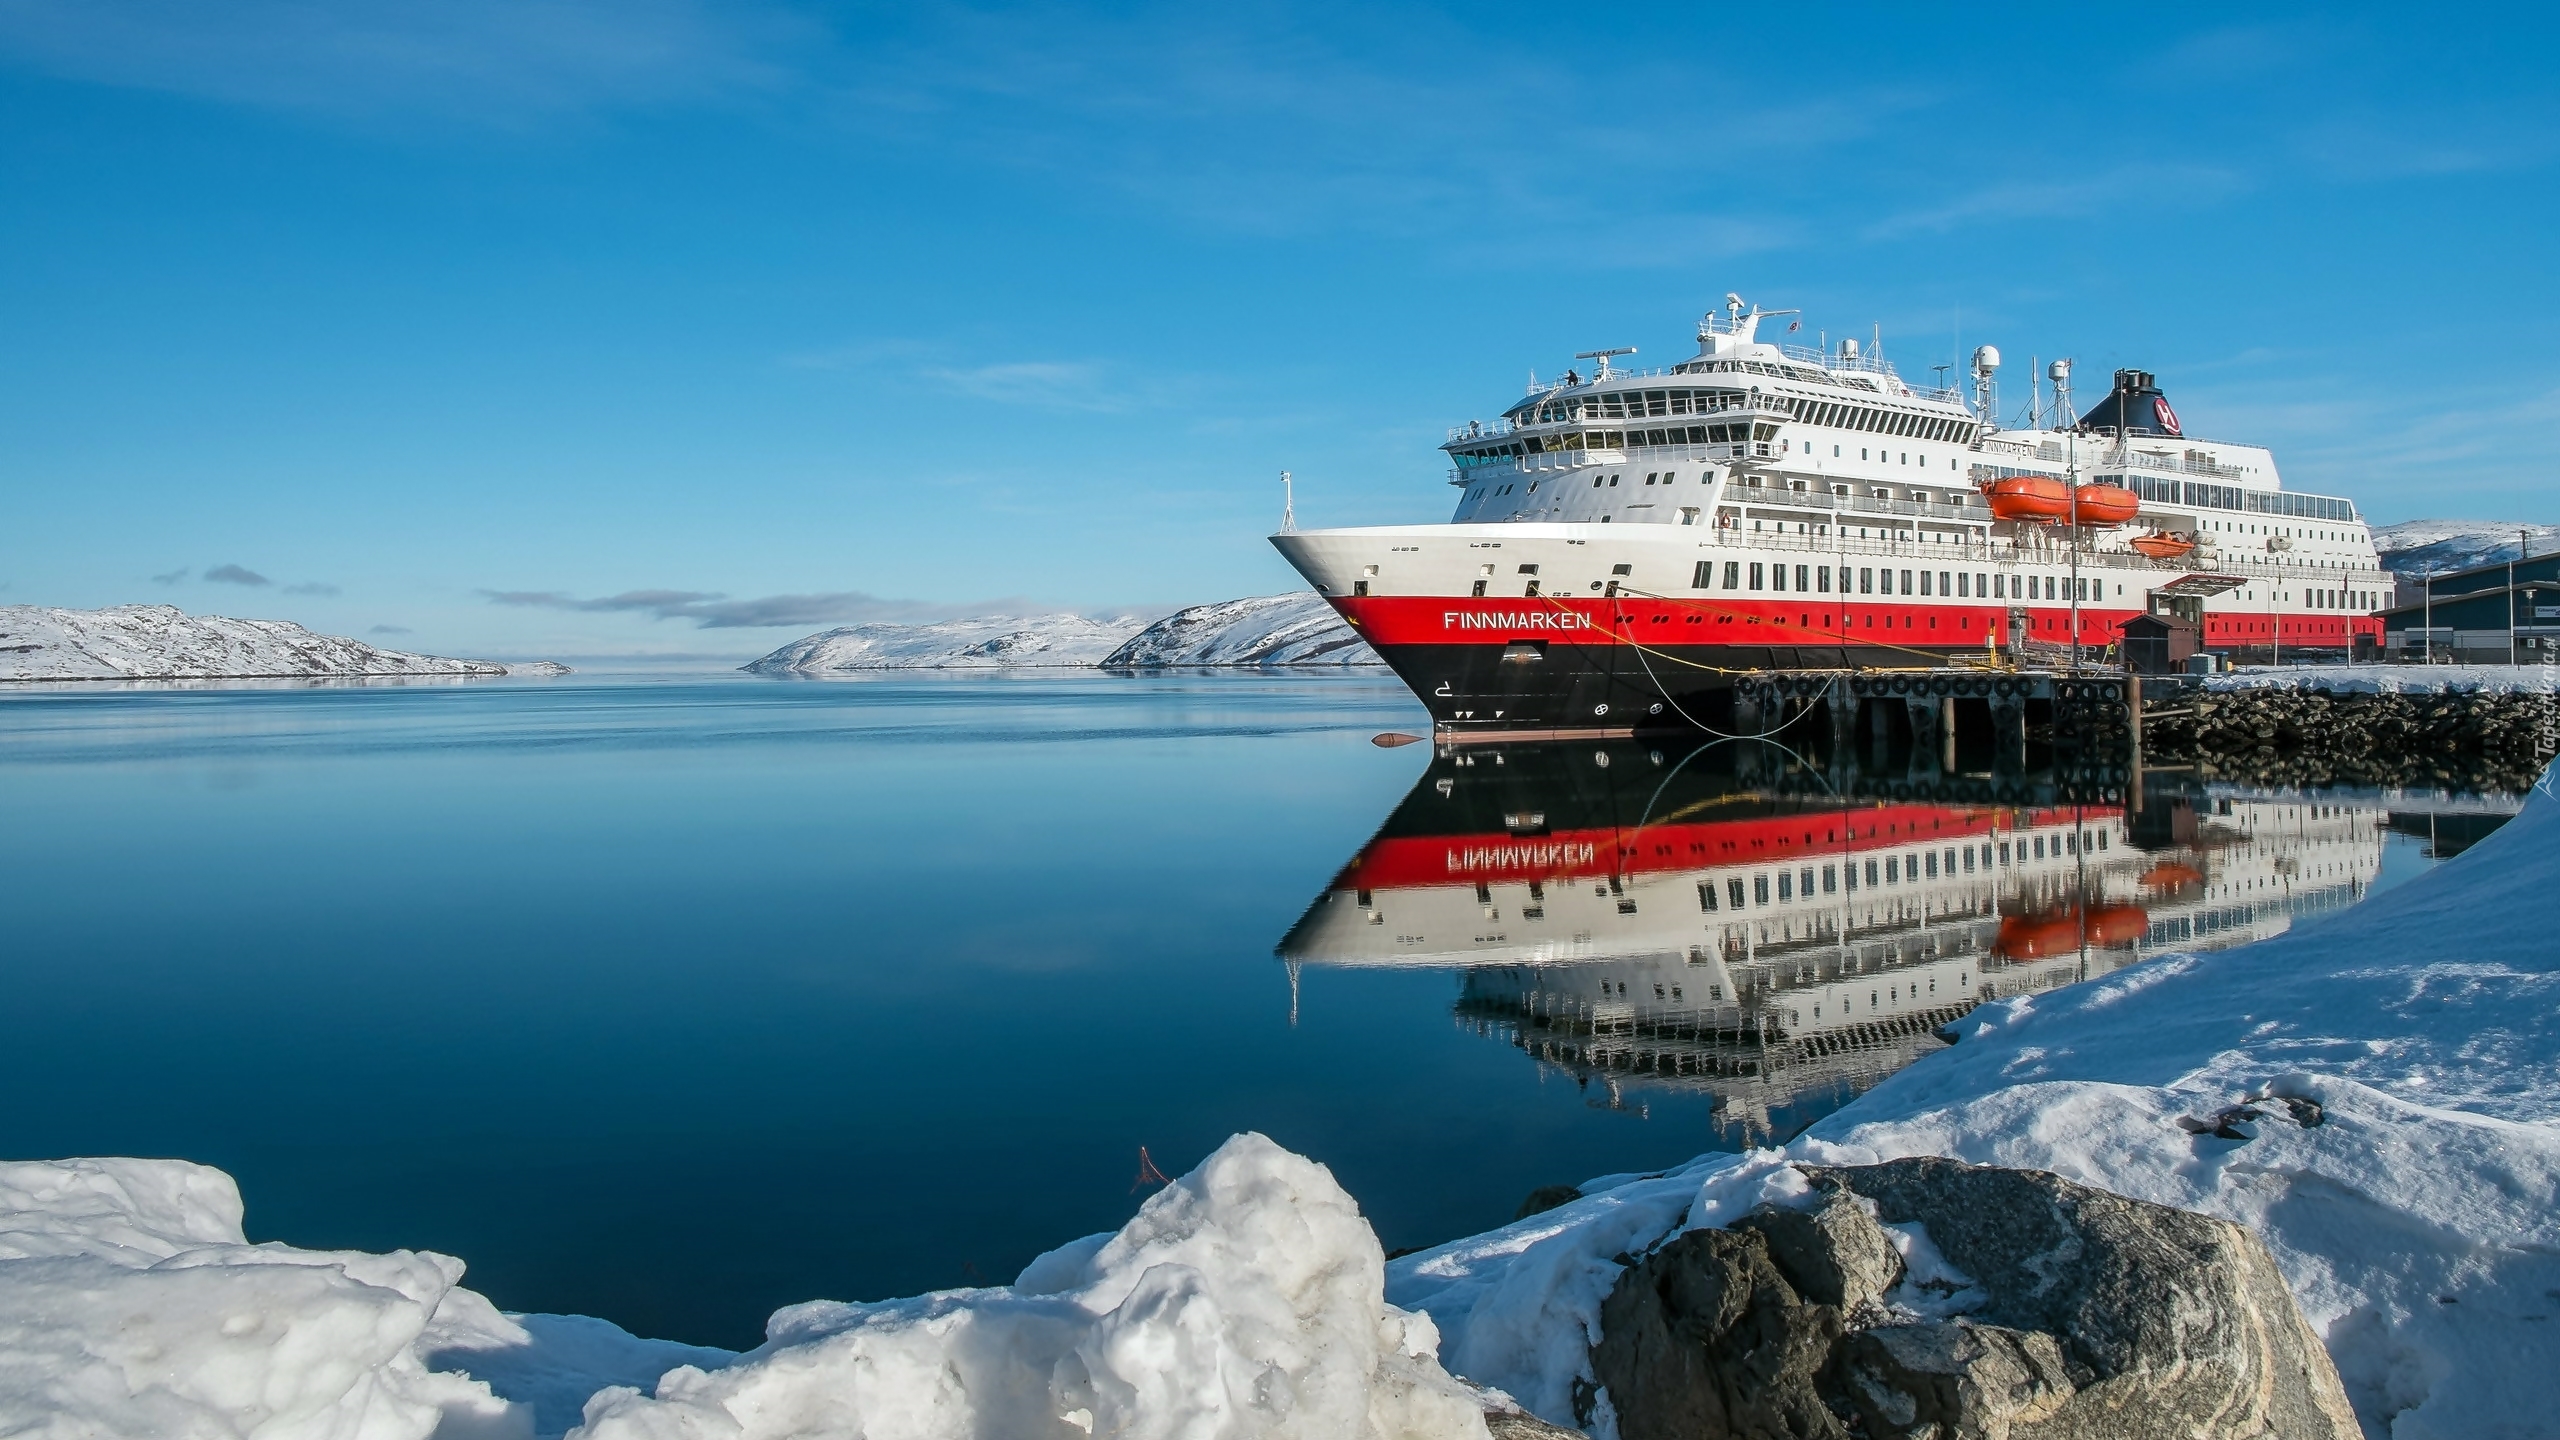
pixel 2108 504
pixel 2023 937
pixel 2160 545
pixel 2039 937
pixel 2170 875
pixel 2110 926
pixel 2037 499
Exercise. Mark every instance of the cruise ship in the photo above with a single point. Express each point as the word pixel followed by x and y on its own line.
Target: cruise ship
pixel 1643 918
pixel 1626 540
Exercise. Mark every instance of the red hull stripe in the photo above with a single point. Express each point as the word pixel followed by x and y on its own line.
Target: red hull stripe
pixel 1812 620
pixel 1407 862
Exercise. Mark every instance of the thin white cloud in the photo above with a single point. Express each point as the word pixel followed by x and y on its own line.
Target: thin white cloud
pixel 2148 186
pixel 1042 384
pixel 478 60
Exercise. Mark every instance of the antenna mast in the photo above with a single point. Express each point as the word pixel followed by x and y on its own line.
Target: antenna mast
pixel 1288 505
pixel 2061 375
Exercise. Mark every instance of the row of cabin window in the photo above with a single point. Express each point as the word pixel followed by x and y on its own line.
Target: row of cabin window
pixel 1895 869
pixel 1613 440
pixel 1885 422
pixel 1637 405
pixel 1956 584
pixel 1831 414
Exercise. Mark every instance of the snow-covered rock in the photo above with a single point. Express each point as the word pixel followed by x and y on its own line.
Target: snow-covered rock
pixel 2417 547
pixel 162 642
pixel 1243 1300
pixel 985 642
pixel 2377 1097
pixel 1298 628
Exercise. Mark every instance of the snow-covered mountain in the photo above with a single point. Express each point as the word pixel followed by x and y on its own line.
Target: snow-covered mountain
pixel 1265 630
pixel 2418 547
pixel 1298 628
pixel 162 642
pixel 984 642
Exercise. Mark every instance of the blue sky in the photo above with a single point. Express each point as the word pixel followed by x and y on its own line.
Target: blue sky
pixel 523 327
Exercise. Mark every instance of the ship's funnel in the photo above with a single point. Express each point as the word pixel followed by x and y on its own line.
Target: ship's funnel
pixel 2134 407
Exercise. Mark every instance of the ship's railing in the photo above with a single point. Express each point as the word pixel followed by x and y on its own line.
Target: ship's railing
pixel 2000 549
pixel 2257 569
pixel 1963 509
pixel 2170 464
pixel 1757 402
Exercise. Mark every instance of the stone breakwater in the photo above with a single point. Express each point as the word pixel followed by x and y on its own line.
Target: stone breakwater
pixel 2369 738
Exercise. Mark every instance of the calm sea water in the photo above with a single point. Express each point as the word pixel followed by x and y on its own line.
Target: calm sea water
pixel 674 1001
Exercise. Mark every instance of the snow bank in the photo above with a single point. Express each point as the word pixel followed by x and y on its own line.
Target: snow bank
pixel 1298 628
pixel 2415 547
pixel 130 1305
pixel 2404 1165
pixel 1242 1300
pixel 162 642
pixel 986 642
pixel 2392 679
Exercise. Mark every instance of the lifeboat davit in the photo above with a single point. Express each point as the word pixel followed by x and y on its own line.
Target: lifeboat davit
pixel 2108 505
pixel 2160 545
pixel 2037 499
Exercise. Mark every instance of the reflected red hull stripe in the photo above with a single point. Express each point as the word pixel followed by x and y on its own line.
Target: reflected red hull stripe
pixel 1407 862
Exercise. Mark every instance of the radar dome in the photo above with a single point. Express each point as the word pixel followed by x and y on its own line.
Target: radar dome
pixel 1986 360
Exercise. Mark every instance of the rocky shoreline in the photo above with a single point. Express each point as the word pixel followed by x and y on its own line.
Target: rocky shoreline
pixel 2298 734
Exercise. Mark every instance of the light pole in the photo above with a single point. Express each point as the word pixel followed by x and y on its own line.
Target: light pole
pixel 2427 577
pixel 2523 538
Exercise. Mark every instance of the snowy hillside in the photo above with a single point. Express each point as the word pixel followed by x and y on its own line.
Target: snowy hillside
pixel 985 642
pixel 162 642
pixel 2415 547
pixel 1294 629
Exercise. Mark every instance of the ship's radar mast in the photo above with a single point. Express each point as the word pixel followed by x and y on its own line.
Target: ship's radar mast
pixel 1986 385
pixel 1603 357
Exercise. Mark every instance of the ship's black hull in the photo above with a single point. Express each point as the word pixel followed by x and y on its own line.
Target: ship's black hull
pixel 1610 687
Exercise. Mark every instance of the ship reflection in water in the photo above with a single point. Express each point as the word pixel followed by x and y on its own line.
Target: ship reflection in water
pixel 1718 919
